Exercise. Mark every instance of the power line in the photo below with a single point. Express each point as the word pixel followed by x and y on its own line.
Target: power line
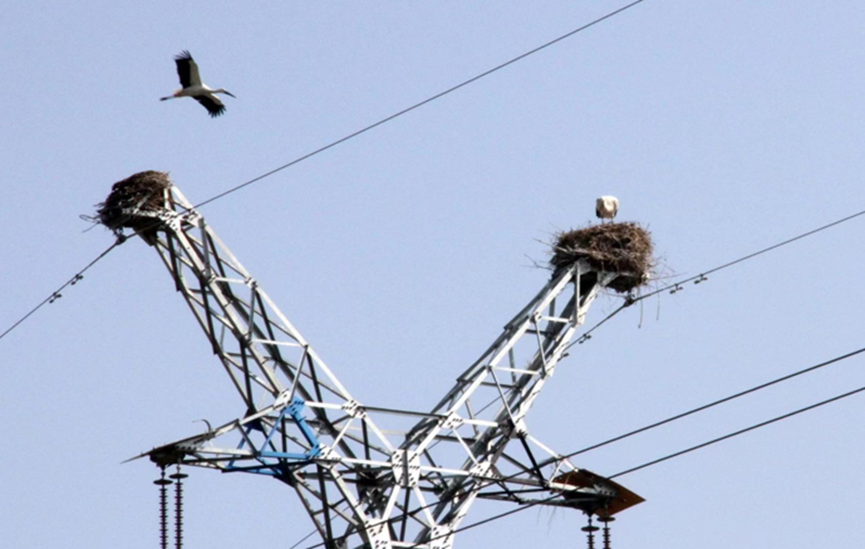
pixel 439 95
pixel 587 335
pixel 739 432
pixel 787 377
pixel 706 406
pixel 693 411
pixel 522 507
pixel 702 276
pixel 493 518
pixel 630 300
pixel 676 286
pixel 527 505
pixel 422 103
pixel 671 456
pixel 304 538
pixel 77 277
pixel 55 295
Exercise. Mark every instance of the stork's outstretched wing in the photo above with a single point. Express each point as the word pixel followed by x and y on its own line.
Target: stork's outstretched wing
pixel 212 103
pixel 187 70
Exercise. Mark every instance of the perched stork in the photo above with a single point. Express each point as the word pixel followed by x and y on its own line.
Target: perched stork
pixel 187 70
pixel 607 207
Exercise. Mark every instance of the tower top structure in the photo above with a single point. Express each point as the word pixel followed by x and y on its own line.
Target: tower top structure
pixel 365 479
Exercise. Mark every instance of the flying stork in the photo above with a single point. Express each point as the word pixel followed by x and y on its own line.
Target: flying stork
pixel 607 207
pixel 187 70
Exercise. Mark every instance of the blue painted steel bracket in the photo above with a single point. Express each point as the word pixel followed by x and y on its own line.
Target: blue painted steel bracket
pixel 295 412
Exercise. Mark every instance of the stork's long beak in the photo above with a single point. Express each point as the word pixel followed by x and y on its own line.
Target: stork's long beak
pixel 231 94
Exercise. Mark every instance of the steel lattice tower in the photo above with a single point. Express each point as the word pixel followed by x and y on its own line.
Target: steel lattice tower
pixel 369 476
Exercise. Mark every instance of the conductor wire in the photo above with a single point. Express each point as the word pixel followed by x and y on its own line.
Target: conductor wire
pixel 71 282
pixel 422 103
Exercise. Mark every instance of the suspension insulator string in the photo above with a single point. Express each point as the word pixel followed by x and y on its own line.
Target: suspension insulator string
pixel 606 519
pixel 163 483
pixel 178 507
pixel 590 530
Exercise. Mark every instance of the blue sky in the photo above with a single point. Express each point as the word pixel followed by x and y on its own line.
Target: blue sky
pixel 724 127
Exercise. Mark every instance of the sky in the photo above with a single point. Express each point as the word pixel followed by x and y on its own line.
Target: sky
pixel 722 127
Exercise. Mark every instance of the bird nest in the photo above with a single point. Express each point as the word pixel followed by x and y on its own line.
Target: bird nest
pixel 132 199
pixel 622 248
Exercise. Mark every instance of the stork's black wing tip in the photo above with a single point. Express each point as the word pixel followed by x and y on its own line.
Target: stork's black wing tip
pixel 213 105
pixel 215 111
pixel 184 56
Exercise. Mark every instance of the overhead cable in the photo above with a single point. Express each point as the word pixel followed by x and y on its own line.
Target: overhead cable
pixel 530 504
pixel 56 294
pixel 697 279
pixel 557 459
pixel 524 506
pixel 739 432
pixel 439 95
pixel 702 276
pixel 707 406
pixel 422 103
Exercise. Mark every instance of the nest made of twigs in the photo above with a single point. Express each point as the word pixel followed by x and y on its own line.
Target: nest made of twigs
pixel 142 192
pixel 622 248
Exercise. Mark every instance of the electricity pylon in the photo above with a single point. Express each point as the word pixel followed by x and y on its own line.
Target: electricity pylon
pixel 370 476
